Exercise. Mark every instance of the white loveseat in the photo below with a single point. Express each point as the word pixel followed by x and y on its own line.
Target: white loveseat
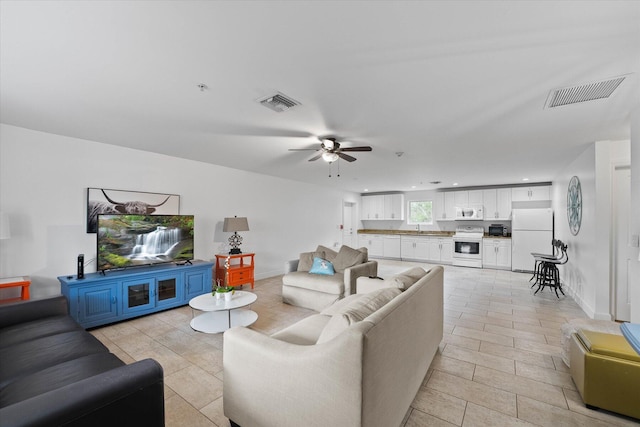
pixel 337 368
pixel 315 291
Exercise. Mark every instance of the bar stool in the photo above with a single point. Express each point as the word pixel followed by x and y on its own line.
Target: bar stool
pixel 548 270
pixel 536 255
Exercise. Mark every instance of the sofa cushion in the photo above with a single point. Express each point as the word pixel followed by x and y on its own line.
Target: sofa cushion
pixel 326 253
pixel 56 376
pixel 40 353
pixel 27 331
pixel 315 282
pixel 304 332
pixel 322 266
pixel 306 261
pixel 357 311
pixel 347 257
pixel 339 306
pixel 405 279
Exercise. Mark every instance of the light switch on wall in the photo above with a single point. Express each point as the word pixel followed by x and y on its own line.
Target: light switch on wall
pixel 634 242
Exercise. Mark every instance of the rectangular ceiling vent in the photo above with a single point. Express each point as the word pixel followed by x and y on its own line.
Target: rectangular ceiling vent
pixel 278 102
pixel 583 93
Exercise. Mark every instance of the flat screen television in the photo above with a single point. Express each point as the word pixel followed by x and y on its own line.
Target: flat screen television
pixel 137 240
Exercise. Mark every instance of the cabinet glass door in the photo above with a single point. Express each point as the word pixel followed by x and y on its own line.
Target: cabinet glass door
pixel 138 295
pixel 169 290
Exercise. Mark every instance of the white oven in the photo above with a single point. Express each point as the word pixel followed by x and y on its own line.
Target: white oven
pixel 467 246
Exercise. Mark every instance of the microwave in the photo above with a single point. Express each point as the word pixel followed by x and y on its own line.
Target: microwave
pixel 497 230
pixel 469 213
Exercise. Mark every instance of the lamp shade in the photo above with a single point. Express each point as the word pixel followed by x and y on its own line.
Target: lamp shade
pixel 5 229
pixel 235 224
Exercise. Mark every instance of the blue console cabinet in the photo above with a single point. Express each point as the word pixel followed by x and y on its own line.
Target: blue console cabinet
pixel 118 295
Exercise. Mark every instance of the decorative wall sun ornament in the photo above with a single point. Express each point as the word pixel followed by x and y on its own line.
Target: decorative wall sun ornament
pixel 574 205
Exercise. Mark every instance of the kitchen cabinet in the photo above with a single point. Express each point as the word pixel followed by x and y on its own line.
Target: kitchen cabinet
pixel 394 206
pixel 461 199
pixel 372 207
pixel 374 244
pixel 441 249
pixel 475 197
pixel 531 194
pixel 496 253
pixel 497 204
pixel 414 248
pixel 445 208
pixel 391 247
pixel 383 207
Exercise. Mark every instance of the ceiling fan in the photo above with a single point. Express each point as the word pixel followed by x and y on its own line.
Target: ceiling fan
pixel 331 150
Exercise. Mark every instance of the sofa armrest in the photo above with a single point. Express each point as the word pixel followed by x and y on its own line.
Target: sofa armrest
pixel 291 266
pixel 272 382
pixel 351 275
pixel 131 395
pixel 26 311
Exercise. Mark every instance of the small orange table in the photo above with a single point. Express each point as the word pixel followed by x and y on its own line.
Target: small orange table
pixel 239 274
pixel 10 282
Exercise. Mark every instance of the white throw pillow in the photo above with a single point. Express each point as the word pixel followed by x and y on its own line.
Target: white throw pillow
pixel 356 311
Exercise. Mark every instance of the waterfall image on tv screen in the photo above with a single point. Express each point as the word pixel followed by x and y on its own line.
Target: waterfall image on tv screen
pixel 136 240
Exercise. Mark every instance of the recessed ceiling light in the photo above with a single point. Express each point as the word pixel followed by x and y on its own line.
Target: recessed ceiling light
pixel 413 186
pixel 366 189
pixel 454 184
pixel 525 179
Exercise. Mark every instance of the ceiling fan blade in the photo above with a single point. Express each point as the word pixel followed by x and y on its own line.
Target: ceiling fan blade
pixel 316 157
pixel 346 157
pixel 364 148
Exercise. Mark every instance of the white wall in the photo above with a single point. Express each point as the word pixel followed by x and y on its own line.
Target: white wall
pixel 587 275
pixel 43 184
pixel 634 224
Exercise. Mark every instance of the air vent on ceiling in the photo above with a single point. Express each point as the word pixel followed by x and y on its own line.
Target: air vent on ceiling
pixel 278 102
pixel 583 93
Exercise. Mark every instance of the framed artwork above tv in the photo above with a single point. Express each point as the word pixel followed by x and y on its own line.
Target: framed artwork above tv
pixel 109 201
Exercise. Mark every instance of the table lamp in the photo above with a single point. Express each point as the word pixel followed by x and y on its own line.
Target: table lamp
pixel 234 225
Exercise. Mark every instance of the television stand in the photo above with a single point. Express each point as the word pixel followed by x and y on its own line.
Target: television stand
pixel 99 299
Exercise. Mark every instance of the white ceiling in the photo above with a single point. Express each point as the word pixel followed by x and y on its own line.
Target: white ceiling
pixel 459 87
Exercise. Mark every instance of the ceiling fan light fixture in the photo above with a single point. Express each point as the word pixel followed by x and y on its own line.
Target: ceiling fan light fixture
pixel 329 157
pixel 328 143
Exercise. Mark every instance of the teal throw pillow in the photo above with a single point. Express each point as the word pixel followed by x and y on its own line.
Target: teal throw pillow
pixel 321 266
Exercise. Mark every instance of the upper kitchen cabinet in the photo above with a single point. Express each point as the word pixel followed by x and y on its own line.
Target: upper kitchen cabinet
pixel 383 206
pixel 497 204
pixel 461 199
pixel 394 206
pixel 475 198
pixel 445 206
pixel 531 194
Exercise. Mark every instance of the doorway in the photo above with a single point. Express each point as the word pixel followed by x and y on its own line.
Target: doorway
pixel 349 224
pixel 622 250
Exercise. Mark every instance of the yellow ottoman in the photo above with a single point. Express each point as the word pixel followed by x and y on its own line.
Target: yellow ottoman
pixel 606 371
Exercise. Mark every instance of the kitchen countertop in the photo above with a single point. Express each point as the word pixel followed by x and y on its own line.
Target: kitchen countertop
pixel 422 233
pixel 408 232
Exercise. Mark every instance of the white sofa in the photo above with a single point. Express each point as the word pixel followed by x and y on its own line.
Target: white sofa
pixel 336 368
pixel 315 291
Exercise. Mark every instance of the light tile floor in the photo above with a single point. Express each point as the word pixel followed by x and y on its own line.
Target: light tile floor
pixel 499 363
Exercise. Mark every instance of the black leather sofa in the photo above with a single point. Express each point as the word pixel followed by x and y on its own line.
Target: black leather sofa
pixel 53 372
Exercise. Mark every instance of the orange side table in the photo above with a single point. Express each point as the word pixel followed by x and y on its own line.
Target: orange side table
pixel 10 282
pixel 239 274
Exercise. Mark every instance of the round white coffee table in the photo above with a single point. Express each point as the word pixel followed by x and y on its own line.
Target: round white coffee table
pixel 220 315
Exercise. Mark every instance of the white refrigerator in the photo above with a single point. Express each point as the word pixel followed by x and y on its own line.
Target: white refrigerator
pixel 531 231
